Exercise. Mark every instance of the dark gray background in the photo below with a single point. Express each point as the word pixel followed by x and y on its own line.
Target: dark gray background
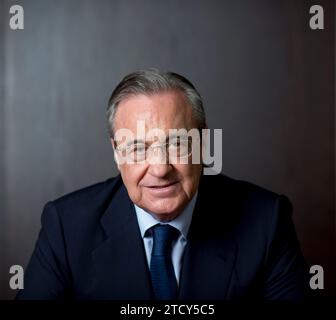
pixel 267 80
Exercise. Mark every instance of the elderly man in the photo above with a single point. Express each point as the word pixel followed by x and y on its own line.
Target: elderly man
pixel 161 229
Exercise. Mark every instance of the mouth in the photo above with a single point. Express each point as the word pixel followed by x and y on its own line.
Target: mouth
pixel 162 186
pixel 163 189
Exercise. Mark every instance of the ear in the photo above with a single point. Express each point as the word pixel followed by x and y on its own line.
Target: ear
pixel 115 153
pixel 204 141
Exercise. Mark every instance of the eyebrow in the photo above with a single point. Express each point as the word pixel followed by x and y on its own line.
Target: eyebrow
pixel 129 143
pixel 173 136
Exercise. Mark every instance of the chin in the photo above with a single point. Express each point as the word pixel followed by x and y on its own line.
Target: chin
pixel 164 217
pixel 165 212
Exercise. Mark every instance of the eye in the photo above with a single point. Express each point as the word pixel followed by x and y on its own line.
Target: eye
pixel 175 143
pixel 138 148
pixel 179 143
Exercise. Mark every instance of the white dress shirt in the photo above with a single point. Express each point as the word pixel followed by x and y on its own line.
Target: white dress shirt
pixel 181 223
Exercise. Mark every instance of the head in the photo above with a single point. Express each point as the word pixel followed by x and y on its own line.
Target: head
pixel 160 102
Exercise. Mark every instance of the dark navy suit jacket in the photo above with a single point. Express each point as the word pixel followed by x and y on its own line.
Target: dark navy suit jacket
pixel 241 245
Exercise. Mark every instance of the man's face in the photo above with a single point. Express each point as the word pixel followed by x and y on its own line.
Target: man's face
pixel 162 188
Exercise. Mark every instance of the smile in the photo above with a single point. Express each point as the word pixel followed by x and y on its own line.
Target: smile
pixel 164 189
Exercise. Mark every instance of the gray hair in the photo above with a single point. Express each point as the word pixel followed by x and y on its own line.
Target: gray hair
pixel 151 81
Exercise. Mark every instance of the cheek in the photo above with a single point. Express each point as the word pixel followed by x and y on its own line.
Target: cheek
pixel 132 175
pixel 190 177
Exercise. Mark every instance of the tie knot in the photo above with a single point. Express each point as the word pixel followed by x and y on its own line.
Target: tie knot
pixel 163 236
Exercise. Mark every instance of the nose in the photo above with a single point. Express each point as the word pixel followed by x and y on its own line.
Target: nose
pixel 160 170
pixel 159 166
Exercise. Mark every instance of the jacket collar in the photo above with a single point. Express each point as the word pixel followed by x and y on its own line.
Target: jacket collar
pixel 210 254
pixel 121 271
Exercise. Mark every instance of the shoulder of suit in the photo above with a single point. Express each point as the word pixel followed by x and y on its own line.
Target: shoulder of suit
pixel 224 184
pixel 89 199
pixel 248 200
pixel 246 206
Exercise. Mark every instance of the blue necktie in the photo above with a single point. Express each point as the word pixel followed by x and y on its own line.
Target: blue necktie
pixel 161 266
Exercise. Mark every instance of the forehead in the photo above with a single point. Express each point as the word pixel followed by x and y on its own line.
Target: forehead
pixel 164 111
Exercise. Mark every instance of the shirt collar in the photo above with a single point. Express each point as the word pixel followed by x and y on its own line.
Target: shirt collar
pixel 181 222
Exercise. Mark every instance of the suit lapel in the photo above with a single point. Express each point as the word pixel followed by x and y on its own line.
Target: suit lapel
pixel 121 269
pixel 207 269
pixel 210 254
